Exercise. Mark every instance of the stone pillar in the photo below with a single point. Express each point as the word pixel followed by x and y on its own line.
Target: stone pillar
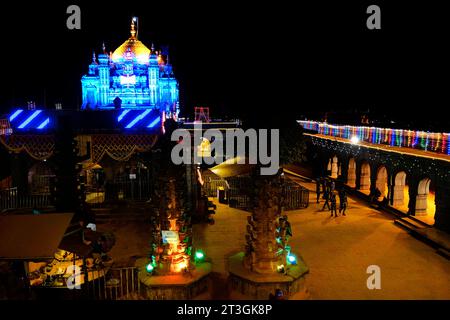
pixel 266 243
pixel 413 185
pixel 398 195
pixel 421 205
pixel 172 256
pixel 351 174
pixel 364 180
pixel 334 168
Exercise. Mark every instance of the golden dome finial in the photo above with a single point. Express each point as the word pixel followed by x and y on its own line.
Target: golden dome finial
pixel 133 29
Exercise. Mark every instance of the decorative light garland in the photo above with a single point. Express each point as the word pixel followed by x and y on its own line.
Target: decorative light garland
pixel 420 166
pixel 428 141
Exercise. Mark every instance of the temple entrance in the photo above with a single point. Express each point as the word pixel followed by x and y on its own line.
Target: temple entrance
pixel 382 182
pixel 351 174
pixel 400 192
pixel 126 180
pixel 364 181
pixel 425 201
pixel 39 177
pixel 95 182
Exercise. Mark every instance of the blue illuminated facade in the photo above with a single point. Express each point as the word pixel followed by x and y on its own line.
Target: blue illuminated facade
pixel 132 77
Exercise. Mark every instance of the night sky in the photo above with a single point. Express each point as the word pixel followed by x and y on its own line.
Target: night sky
pixel 264 60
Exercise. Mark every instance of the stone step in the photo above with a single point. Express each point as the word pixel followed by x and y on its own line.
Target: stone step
pixel 404 225
pixel 419 222
pixel 414 223
pixel 444 252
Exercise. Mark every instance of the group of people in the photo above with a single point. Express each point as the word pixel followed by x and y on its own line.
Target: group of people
pixel 327 187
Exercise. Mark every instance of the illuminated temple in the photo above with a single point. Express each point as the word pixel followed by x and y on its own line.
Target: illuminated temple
pixel 132 77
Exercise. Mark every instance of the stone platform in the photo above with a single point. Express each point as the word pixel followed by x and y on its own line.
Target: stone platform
pixel 258 286
pixel 183 286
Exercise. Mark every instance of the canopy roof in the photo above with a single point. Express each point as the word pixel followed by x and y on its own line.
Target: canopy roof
pixel 233 168
pixel 26 237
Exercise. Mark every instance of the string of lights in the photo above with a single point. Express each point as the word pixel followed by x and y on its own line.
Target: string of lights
pixel 421 166
pixel 427 141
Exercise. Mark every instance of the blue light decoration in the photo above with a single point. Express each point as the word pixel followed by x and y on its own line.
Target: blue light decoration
pixel 138 118
pixel 141 77
pixel 29 119
pixel 123 114
pixel 15 114
pixel 154 122
pixel 44 124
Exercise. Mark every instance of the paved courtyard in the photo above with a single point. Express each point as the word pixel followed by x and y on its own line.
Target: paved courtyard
pixel 338 252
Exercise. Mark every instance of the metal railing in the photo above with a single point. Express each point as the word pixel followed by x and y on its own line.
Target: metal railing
pixel 12 199
pixel 118 284
pixel 295 196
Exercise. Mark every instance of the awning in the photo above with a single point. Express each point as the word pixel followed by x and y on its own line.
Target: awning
pixel 74 243
pixel 32 237
pixel 232 168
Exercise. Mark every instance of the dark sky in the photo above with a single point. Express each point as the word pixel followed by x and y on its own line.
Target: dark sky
pixel 261 59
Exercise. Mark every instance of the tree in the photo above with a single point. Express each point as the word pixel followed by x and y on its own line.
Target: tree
pixel 292 143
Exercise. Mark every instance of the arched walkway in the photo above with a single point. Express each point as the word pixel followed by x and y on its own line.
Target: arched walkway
pixel 400 192
pixel 364 181
pixel 351 173
pixel 382 182
pixel 425 201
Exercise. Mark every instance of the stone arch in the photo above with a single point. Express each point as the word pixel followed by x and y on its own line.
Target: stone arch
pixel 425 199
pixel 364 179
pixel 400 191
pixel 351 173
pixel 382 182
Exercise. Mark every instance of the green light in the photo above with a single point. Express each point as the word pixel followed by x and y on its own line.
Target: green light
pixel 292 259
pixel 149 267
pixel 199 255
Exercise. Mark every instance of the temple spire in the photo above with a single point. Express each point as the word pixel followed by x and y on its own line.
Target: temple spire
pixel 133 28
pixel 103 47
pixel 93 58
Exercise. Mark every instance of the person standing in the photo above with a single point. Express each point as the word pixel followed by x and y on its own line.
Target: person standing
pixel 343 203
pixel 332 185
pixel 326 196
pixel 333 204
pixel 318 189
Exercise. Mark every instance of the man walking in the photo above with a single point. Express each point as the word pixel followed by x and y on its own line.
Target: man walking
pixel 326 196
pixel 333 204
pixel 318 189
pixel 343 203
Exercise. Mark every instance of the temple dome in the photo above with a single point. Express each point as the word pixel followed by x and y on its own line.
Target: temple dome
pixel 132 47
